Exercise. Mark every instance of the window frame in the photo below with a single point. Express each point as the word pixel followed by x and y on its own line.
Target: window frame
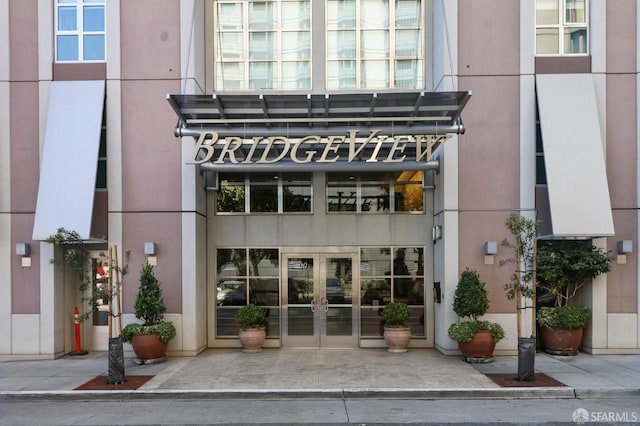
pixel 561 27
pixel 281 180
pixel 278 59
pixel 80 31
pixel 391 59
pixel 356 180
pixel 227 312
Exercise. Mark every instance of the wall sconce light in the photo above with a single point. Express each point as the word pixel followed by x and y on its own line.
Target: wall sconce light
pixel 150 248
pixel 23 249
pixel 625 246
pixel 490 249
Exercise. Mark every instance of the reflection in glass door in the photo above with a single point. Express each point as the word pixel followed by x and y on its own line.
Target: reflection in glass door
pixel 318 301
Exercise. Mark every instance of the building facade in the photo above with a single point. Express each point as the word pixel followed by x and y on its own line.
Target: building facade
pixel 319 158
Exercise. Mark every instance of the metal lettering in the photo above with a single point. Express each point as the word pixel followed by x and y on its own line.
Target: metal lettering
pixel 353 153
pixel 207 144
pixel 249 159
pixel 305 150
pixel 310 153
pixel 230 148
pixel 329 146
pixel 399 144
pixel 374 154
pixel 270 142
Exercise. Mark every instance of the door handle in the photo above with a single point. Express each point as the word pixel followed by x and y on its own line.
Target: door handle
pixel 325 303
pixel 313 305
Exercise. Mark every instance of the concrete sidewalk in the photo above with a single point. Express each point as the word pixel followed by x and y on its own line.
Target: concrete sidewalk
pixel 354 373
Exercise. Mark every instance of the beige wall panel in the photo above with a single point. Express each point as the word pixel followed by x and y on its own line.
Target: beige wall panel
pixel 25 334
pixel 621 36
pixel 475 229
pixel 151 155
pixel 621 140
pixel 25 283
pixel 24 146
pixel 150 34
pixel 626 340
pixel 165 229
pixel 622 281
pixel 497 51
pixel 489 155
pixel 23 33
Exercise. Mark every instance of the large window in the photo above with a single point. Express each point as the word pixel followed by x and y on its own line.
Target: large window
pixel 263 44
pixel 562 27
pixel 374 44
pixel 264 193
pixel 247 275
pixel 394 192
pixel 391 275
pixel 80 33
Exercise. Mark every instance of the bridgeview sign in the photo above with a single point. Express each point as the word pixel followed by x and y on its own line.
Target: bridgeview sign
pixel 348 148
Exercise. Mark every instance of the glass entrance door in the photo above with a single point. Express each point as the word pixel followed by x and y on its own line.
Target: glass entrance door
pixel 318 301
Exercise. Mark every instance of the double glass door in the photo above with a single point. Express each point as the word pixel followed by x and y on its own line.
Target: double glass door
pixel 319 300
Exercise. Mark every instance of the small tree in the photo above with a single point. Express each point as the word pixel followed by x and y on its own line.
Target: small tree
pixel 470 298
pixel 523 280
pixel 564 266
pixel 150 308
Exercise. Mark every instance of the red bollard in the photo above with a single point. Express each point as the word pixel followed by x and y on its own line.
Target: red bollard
pixel 76 321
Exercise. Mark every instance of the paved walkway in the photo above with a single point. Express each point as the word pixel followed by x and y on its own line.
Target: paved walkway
pixel 356 373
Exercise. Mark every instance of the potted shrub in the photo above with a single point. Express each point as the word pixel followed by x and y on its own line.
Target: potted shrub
pixel 151 338
pixel 476 339
pixel 397 334
pixel 563 267
pixel 252 321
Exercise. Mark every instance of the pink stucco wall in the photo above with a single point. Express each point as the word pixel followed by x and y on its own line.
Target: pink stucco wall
pixel 151 155
pixel 489 152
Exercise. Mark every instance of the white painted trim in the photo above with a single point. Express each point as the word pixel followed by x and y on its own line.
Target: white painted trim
pixel 4 41
pixel 598 36
pixel 527 143
pixel 5 148
pixel 114 150
pixel 6 254
pixel 45 41
pixel 112 39
pixel 527 36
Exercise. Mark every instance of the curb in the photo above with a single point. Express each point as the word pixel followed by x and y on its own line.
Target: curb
pixel 351 393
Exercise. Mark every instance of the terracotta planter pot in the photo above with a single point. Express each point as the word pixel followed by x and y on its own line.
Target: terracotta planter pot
pixel 397 339
pixel 252 339
pixel 561 341
pixel 149 347
pixel 480 347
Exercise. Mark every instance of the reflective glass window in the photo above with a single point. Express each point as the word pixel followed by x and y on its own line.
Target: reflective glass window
pixel 396 192
pixel 80 30
pixel 374 35
pixel 562 27
pixel 246 275
pixel 241 193
pixel 391 274
pixel 262 44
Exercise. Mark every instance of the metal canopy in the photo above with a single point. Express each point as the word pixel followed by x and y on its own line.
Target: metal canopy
pixel 248 115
